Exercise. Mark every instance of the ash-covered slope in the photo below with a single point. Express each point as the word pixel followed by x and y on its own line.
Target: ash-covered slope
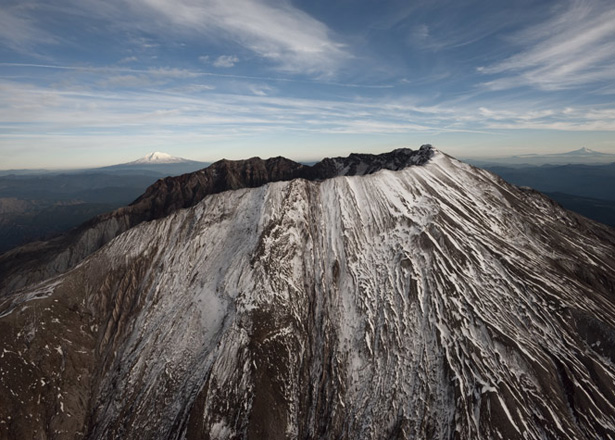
pixel 436 301
pixel 45 259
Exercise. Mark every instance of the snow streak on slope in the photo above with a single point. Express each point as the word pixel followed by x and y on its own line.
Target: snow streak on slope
pixel 432 302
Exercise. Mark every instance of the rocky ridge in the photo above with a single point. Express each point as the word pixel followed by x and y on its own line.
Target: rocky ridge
pixel 41 260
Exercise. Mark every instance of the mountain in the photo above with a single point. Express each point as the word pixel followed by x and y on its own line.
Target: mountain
pixel 161 164
pixel 581 152
pixel 583 155
pixel 157 157
pixel 587 153
pixel 407 295
pixel 156 163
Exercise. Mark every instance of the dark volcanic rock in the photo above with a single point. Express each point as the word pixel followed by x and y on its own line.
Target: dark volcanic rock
pixel 363 164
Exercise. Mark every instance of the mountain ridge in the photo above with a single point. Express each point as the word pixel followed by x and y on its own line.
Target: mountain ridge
pixel 171 193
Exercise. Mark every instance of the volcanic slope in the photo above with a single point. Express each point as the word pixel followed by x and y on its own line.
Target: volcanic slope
pixel 435 301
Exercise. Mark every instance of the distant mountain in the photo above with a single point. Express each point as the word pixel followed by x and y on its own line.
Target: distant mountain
pixel 586 152
pixel 581 156
pixel 158 158
pixel 581 152
pixel 162 164
pixel 156 163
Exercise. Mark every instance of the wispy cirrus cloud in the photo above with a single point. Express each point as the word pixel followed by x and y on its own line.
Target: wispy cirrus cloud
pixel 87 113
pixel 572 49
pixel 292 40
pixel 580 118
pixel 277 31
pixel 177 73
pixel 52 118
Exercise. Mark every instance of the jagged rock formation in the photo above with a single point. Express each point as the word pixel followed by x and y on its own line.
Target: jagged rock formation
pixel 46 259
pixel 435 301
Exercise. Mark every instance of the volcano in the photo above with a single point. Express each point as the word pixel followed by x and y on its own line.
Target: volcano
pixel 405 295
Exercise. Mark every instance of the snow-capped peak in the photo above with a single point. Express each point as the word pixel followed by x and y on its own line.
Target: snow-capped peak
pixel 583 151
pixel 158 157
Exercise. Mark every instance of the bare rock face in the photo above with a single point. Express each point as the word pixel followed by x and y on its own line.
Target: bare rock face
pixel 432 301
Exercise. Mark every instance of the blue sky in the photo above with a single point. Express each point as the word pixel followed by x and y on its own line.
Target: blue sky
pixel 87 82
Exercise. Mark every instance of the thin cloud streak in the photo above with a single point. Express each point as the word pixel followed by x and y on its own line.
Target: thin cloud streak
pixel 53 112
pixel 573 49
pixel 261 27
pixel 184 73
